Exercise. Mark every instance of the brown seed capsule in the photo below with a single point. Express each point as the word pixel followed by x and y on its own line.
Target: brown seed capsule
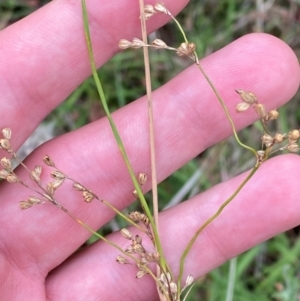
pixel 140 274
pixel 48 161
pixel 78 187
pixel 159 7
pixel 57 183
pixel 294 135
pixel 88 196
pixel 242 106
pixel 159 43
pixel 57 174
pixel 33 200
pixel 50 189
pixel 35 176
pixel 137 43
pixel 267 140
pixel 246 96
pixel 12 178
pixel 125 233
pixel 142 178
pixel 120 259
pixel 6 132
pixel 25 205
pixel 272 115
pixel 278 138
pixel 186 49
pixel 6 163
pixel 5 144
pixel 124 44
pixel 138 248
pixel 149 9
pixel 260 110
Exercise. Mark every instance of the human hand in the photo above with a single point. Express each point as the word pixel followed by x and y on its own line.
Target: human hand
pixel 43 59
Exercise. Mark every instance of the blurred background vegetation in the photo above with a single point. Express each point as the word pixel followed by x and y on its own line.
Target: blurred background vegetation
pixel 270 271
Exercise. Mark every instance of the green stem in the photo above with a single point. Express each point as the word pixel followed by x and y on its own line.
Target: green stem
pixel 214 216
pixel 115 131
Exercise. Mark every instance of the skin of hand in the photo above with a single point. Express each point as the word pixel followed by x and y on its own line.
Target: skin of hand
pixel 43 58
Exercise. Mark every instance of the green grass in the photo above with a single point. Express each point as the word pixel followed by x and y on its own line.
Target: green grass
pixel 269 271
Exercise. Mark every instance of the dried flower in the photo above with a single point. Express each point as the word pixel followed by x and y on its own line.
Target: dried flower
pixel 246 96
pixel 278 138
pixel 272 115
pixel 124 44
pixel 5 144
pixel 34 200
pixel 149 11
pixel 142 178
pixel 48 161
pixel 186 49
pixel 78 186
pixel 6 132
pixel 122 260
pixel 12 178
pixel 88 196
pixel 294 135
pixel 159 43
pixel 140 274
pixel 56 174
pixel 159 7
pixel 6 163
pixel 25 205
pixel 260 110
pixel 267 140
pixel 137 43
pixel 125 233
pixel 35 176
pixel 242 106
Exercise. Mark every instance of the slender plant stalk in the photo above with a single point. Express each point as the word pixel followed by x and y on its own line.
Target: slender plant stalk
pixel 209 220
pixel 150 116
pixel 117 136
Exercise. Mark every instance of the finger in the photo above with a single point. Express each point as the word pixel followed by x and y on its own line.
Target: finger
pixel 189 119
pixel 44 56
pixel 266 206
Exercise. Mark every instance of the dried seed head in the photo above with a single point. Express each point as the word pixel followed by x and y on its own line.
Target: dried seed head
pixel 159 7
pixel 267 140
pixel 5 144
pixel 135 216
pixel 88 196
pixel 25 205
pixel 38 170
pixel 6 132
pixel 189 280
pixel 140 274
pixel 125 233
pixel 246 96
pixel 33 200
pixel 35 176
pixel 4 174
pixel 12 178
pixel 129 250
pixel 260 110
pixel 56 174
pixel 142 178
pixel 122 260
pixel 48 161
pixel 6 163
pixel 137 43
pixel 138 248
pixel 272 115
pixel 159 43
pixel 57 183
pixel 138 239
pixel 78 186
pixel 242 106
pixel 50 189
pixel 124 44
pixel 173 287
pixel 149 11
pixel 278 138
pixel 186 49
pixel 294 135
pixel 152 256
pixel 293 148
